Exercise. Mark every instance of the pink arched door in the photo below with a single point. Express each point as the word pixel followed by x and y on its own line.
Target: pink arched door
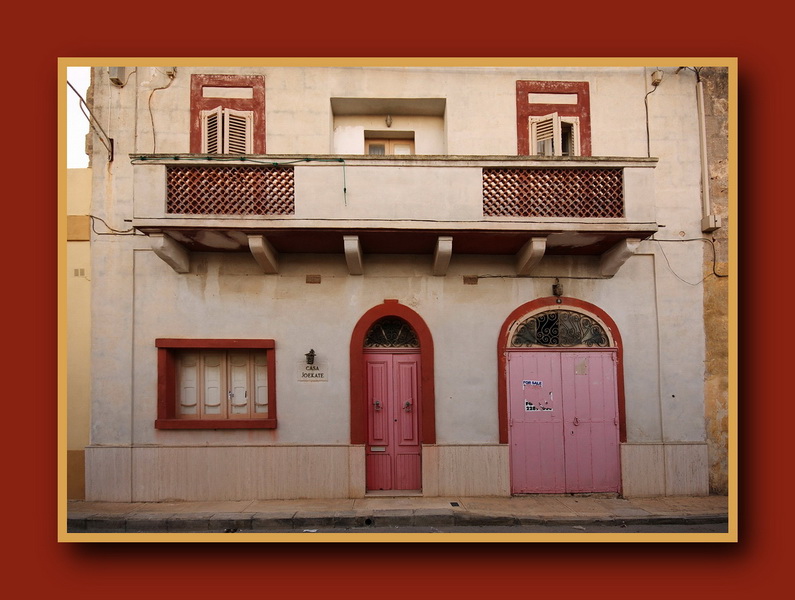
pixel 563 422
pixel 393 453
pixel 561 370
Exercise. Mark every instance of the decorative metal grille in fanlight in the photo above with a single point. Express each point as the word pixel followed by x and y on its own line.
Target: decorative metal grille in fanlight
pixel 560 328
pixel 391 332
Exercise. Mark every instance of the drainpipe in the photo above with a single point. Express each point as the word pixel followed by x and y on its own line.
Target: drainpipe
pixel 709 222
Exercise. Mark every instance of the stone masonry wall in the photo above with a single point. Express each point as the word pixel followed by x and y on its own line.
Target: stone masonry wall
pixel 716 288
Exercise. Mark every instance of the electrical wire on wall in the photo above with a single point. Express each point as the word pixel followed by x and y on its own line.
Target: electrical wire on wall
pixel 714 258
pixel 646 102
pixel 106 140
pixel 149 104
pixel 111 230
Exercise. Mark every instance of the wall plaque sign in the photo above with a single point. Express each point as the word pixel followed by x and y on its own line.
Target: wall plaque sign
pixel 314 372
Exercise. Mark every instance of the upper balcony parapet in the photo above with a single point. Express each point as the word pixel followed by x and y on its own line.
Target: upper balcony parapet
pixel 440 188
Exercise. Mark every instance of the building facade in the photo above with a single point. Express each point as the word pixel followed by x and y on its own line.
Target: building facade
pixel 322 281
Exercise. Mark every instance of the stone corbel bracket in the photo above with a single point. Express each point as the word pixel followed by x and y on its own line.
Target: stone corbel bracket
pixel 353 254
pixel 265 255
pixel 171 252
pixel 530 255
pixel 441 257
pixel 613 259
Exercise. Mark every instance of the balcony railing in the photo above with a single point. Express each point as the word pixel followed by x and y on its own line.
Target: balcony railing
pixel 230 190
pixel 507 192
pixel 553 192
pixel 440 188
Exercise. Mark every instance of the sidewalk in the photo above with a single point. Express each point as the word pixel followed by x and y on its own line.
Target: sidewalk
pixel 383 511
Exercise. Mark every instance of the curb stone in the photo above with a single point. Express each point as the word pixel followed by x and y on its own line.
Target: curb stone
pixel 351 519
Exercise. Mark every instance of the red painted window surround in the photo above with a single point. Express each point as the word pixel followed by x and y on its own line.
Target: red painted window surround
pixel 551 302
pixel 256 104
pixel 391 308
pixel 167 387
pixel 525 109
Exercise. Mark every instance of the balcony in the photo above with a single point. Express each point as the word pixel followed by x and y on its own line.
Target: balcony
pixel 358 205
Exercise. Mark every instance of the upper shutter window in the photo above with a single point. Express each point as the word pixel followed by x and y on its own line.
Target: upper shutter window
pixel 227 114
pixel 227 131
pixel 543 107
pixel 553 135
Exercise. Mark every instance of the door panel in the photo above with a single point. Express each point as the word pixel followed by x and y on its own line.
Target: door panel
pixel 406 382
pixel 591 422
pixel 379 471
pixel 563 414
pixel 378 397
pixel 393 454
pixel 536 419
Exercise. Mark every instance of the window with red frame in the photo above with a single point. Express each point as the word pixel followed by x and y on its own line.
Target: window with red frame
pixel 227 114
pixel 216 384
pixel 553 118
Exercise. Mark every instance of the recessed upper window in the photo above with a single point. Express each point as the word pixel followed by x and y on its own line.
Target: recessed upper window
pixel 227 114
pixel 388 126
pixel 386 146
pixel 553 118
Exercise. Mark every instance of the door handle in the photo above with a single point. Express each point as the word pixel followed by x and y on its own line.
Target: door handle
pixel 377 405
pixel 407 406
pixel 576 421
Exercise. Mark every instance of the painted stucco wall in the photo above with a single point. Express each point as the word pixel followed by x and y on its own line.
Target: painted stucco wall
pixel 137 297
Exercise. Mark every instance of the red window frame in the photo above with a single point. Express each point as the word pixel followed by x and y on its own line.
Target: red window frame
pixel 525 110
pixel 255 104
pixel 167 349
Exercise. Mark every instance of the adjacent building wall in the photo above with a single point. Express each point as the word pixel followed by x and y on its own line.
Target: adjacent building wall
pixel 716 282
pixel 78 326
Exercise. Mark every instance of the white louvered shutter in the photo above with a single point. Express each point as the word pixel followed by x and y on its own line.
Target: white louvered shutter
pixel 260 383
pixel 213 383
pixel 212 130
pixel 238 131
pixel 238 383
pixel 575 139
pixel 188 384
pixel 545 138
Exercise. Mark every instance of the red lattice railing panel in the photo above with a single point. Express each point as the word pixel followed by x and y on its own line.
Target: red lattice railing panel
pixel 553 192
pixel 230 190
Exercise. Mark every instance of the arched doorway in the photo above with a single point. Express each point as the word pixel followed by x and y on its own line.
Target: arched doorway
pixel 560 398
pixel 392 395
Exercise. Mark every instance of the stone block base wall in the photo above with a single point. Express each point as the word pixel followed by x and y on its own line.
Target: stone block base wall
pixel 210 473
pixel 664 470
pixel 156 474
pixel 480 470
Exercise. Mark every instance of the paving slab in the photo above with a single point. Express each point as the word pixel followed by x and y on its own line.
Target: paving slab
pixel 316 504
pixel 383 502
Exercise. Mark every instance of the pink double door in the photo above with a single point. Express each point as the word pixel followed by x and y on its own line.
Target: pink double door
pixel 393 454
pixel 563 417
